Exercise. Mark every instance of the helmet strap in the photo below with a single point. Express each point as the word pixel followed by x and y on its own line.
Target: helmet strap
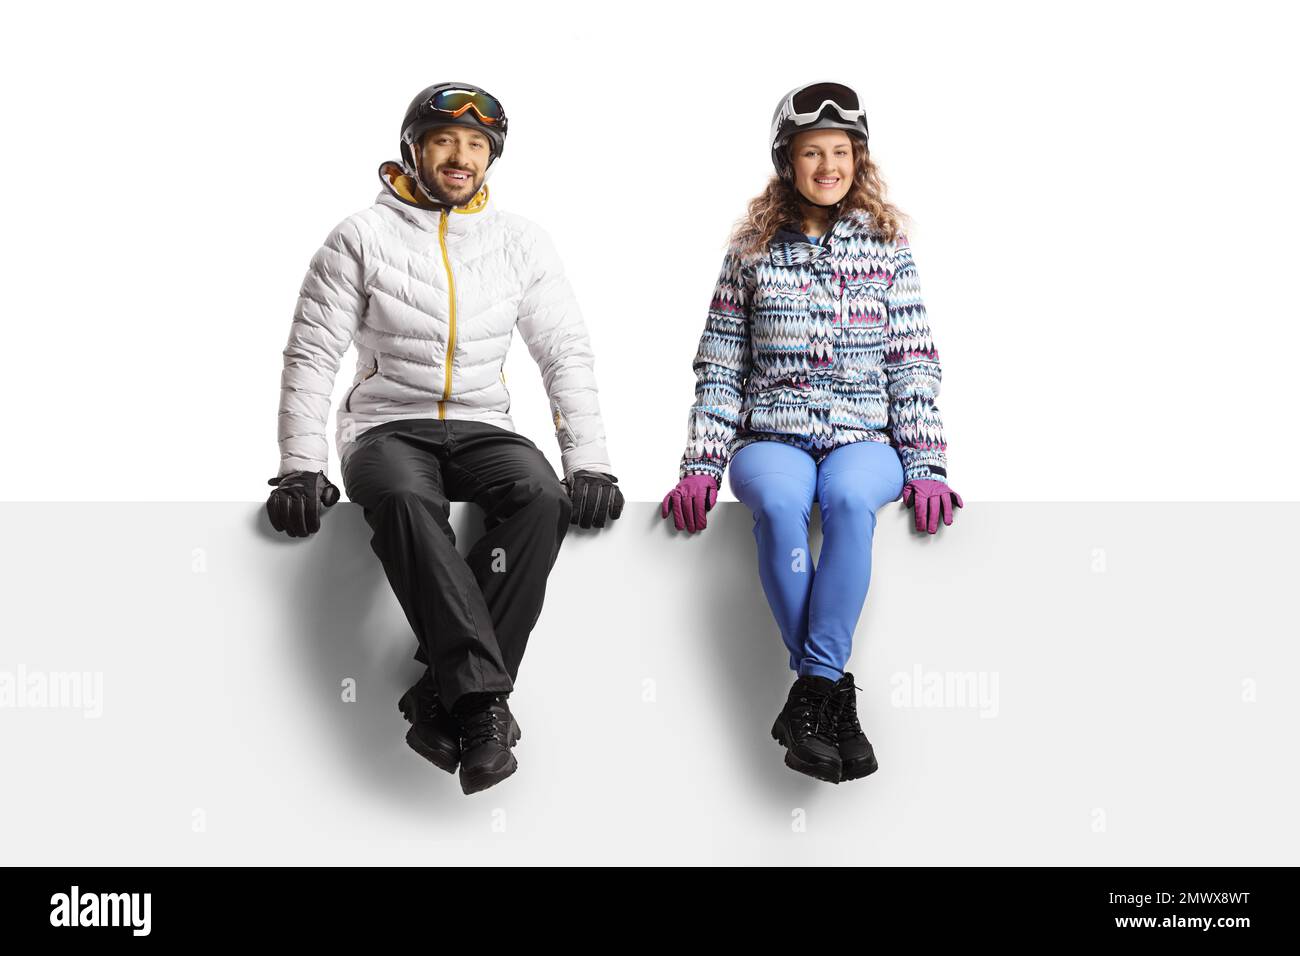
pixel 420 183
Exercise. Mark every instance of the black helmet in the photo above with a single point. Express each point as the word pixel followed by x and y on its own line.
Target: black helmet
pixel 453 104
pixel 814 106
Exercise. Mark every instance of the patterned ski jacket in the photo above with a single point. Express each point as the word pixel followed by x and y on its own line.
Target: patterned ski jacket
pixel 432 299
pixel 818 346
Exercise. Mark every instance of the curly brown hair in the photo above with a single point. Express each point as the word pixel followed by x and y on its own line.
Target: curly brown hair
pixel 780 204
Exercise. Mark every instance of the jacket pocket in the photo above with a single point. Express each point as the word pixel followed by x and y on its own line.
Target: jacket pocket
pixel 347 405
pixel 776 412
pixel 863 286
pixel 858 399
pixel 862 308
pixel 859 377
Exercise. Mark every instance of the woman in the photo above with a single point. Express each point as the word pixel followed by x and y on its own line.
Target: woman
pixel 816 380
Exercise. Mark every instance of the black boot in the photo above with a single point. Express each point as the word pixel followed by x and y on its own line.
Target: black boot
pixel 485 757
pixel 434 733
pixel 856 756
pixel 806 727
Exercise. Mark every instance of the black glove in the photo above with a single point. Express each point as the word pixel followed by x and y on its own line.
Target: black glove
pixel 595 496
pixel 294 506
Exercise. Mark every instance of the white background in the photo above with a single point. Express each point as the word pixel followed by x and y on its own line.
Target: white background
pixel 1104 201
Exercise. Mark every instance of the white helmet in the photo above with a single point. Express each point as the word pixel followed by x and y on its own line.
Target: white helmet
pixel 814 106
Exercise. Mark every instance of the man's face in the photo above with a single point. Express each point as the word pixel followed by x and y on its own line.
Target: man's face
pixel 454 160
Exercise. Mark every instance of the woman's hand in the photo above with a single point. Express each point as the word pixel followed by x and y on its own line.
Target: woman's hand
pixel 690 501
pixel 929 499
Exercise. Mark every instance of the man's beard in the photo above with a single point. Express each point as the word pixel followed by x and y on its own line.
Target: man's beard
pixel 461 196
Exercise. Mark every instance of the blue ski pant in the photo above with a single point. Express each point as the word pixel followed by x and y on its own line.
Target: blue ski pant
pixel 816 608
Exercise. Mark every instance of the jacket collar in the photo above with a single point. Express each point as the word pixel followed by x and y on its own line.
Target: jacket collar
pixel 790 246
pixel 401 194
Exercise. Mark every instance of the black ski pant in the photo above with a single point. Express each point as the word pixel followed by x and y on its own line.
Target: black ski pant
pixel 471 616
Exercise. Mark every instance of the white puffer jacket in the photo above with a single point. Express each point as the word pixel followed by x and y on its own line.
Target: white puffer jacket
pixel 412 283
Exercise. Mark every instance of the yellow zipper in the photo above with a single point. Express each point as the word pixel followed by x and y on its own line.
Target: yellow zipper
pixel 451 294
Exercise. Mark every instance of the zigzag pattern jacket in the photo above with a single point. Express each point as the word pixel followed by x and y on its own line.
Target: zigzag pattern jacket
pixel 818 346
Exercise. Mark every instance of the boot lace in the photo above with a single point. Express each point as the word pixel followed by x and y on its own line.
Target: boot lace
pixel 480 726
pixel 425 695
pixel 814 716
pixel 846 711
pixel 430 708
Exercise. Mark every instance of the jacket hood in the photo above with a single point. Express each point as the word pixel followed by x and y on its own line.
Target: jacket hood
pixel 403 193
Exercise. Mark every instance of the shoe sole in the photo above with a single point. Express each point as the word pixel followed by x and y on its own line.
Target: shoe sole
pixel 817 771
pixel 473 783
pixel 858 771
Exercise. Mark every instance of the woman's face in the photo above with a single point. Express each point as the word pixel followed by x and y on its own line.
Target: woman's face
pixel 823 165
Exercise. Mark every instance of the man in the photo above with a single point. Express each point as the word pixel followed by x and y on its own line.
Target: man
pixel 431 282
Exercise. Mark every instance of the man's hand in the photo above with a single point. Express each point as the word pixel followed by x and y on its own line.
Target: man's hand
pixel 294 506
pixel 929 499
pixel 595 496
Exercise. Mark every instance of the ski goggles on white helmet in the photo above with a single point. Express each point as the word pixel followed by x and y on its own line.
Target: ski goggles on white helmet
pixel 805 105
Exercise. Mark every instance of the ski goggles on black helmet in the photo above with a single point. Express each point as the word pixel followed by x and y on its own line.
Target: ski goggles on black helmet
pixel 457 102
pixel 453 104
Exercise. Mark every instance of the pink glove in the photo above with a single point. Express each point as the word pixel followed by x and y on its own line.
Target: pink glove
pixel 929 499
pixel 690 501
